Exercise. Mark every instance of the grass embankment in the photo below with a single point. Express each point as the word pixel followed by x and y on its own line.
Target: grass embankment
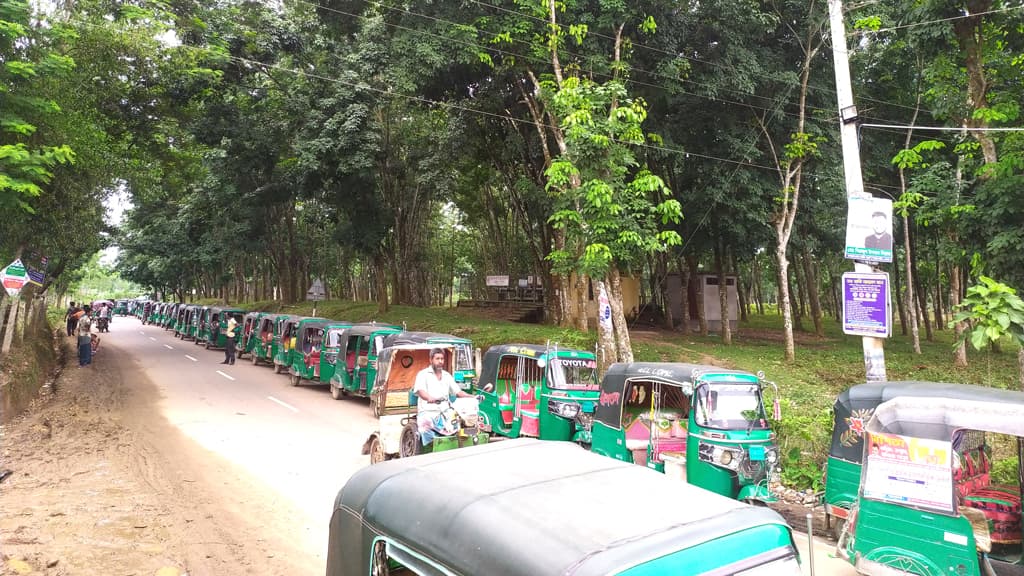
pixel 808 386
pixel 24 370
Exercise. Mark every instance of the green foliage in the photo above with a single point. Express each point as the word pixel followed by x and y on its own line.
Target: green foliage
pixel 995 312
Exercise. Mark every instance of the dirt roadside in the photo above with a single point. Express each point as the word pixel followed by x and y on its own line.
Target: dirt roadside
pixel 101 483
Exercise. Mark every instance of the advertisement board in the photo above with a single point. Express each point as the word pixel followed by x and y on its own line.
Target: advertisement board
pixel 909 471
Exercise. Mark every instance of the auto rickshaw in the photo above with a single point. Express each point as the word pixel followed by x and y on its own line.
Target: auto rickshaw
pixel 362 344
pixel 186 319
pixel 250 332
pixel 541 391
pixel 700 423
pixel 926 502
pixel 271 328
pixel 316 352
pixel 852 410
pixel 153 314
pixel 288 341
pixel 464 370
pixel 215 326
pixel 397 434
pixel 529 508
pixel 121 308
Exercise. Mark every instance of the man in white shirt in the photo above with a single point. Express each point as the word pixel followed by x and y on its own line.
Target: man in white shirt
pixel 433 387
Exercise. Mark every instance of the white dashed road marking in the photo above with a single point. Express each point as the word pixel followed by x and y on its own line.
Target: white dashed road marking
pixel 285 404
pixel 168 346
pixel 191 358
pixel 225 375
pixel 153 339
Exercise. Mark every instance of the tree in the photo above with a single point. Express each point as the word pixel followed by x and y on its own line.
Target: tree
pixel 995 312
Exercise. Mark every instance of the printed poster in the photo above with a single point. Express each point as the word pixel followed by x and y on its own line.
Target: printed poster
pixel 909 471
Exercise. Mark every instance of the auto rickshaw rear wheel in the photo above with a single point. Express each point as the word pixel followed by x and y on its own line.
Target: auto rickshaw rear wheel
pixel 336 392
pixel 277 368
pixel 838 525
pixel 409 443
pixel 376 407
pixel 255 359
pixel 295 379
pixel 377 451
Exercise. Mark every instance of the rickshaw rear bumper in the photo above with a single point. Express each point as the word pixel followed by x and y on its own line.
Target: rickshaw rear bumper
pixel 756 492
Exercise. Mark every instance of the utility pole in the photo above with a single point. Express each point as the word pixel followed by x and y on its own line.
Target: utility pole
pixel 874 348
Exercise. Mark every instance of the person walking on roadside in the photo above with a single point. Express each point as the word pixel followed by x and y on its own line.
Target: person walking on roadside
pixel 229 341
pixel 84 332
pixel 70 318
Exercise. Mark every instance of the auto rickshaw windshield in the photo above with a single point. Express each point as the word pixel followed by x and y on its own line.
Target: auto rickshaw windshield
pixel 573 374
pixel 464 356
pixel 334 337
pixel 730 406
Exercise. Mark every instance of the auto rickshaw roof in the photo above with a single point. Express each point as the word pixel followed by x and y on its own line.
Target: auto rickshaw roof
pixel 940 418
pixel 527 508
pixel 854 407
pixel 313 323
pixel 407 337
pixel 534 350
pixel 255 314
pixel 370 328
pixel 666 371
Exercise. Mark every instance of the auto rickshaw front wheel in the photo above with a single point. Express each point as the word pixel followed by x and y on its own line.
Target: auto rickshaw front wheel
pixel 375 406
pixel 409 442
pixel 295 379
pixel 377 451
pixel 255 359
pixel 277 368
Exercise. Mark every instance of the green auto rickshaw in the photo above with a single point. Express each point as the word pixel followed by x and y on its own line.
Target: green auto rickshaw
pixel 398 434
pixel 530 508
pixel 186 318
pixel 121 308
pixel 361 345
pixel 544 392
pixel 852 410
pixel 927 502
pixel 289 340
pixel 704 424
pixel 464 369
pixel 316 352
pixel 250 332
pixel 271 330
pixel 214 329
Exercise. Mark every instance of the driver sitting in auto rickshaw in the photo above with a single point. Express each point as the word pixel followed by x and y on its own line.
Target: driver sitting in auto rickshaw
pixel 433 388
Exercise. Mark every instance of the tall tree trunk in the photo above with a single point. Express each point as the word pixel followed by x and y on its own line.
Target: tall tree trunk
pixel 625 346
pixel 684 296
pixel 608 350
pixel 579 294
pixel 811 277
pixel 1020 366
pixel 794 288
pixel 741 288
pixel 758 287
pixel 702 319
pixel 663 267
pixel 922 305
pixel 897 296
pixel 723 293
pixel 784 306
pixel 380 267
pixel 939 322
pixel 960 352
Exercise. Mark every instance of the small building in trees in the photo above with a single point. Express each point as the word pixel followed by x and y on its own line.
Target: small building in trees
pixel 704 287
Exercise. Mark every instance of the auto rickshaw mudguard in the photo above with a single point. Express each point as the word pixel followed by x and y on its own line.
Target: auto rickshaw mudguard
pixel 755 492
pixel 583 437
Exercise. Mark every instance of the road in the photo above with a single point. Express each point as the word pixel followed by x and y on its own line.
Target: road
pixel 297 442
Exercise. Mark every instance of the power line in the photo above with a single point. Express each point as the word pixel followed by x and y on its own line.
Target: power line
pixel 944 128
pixel 914 24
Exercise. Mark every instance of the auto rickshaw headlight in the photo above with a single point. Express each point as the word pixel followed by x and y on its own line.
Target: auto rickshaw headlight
pixel 725 457
pixel 771 456
pixel 567 410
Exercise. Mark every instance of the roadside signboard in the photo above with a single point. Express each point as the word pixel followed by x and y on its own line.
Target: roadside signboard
pixel 14 277
pixel 500 281
pixel 869 229
pixel 316 291
pixel 866 310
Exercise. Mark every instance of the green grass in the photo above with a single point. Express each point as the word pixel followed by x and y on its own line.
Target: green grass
pixel 807 387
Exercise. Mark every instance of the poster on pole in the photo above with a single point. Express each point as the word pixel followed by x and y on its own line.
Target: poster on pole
pixel 869 229
pixel 14 277
pixel 866 309
pixel 604 309
pixel 909 471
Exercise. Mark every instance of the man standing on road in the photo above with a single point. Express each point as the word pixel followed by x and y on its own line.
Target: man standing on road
pixel 84 331
pixel 434 385
pixel 229 341
pixel 70 318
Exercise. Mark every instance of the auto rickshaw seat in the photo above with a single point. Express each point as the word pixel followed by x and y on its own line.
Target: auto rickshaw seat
pixel 1001 505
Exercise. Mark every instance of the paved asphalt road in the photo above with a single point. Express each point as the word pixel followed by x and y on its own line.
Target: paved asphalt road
pixel 298 441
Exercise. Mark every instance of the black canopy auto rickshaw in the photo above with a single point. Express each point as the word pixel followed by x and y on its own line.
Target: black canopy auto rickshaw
pixel 852 411
pixel 464 369
pixel 533 508
pixel 704 423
